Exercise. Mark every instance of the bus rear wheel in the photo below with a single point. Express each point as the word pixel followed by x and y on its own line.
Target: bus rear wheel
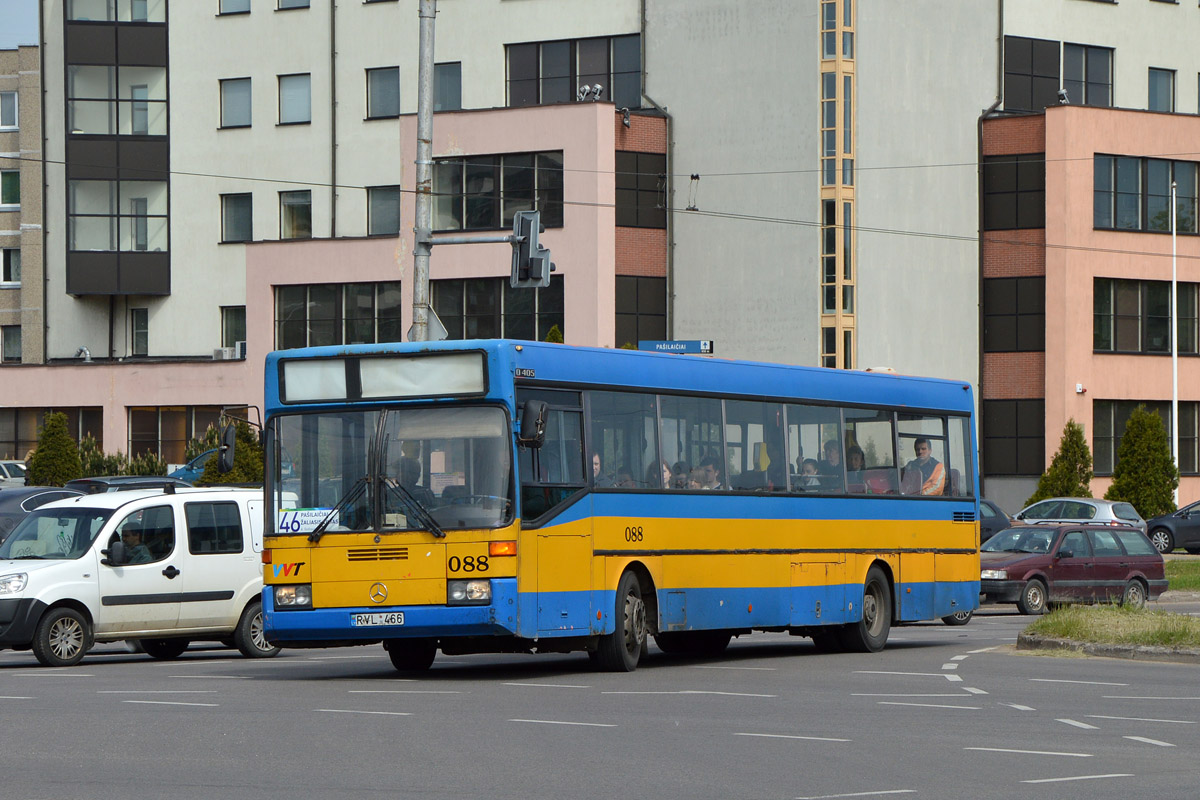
pixel 870 633
pixel 621 650
pixel 411 655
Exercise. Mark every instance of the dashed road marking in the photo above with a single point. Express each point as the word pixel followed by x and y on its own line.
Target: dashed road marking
pixel 1155 742
pixel 1085 683
pixel 1082 778
pixel 564 722
pixel 403 691
pixel 858 794
pixel 1145 719
pixel 928 705
pixel 981 650
pixel 357 711
pixel 696 691
pixel 794 736
pixel 718 666
pixel 550 685
pixel 170 703
pixel 1144 697
pixel 973 690
pixel 949 666
pixel 959 658
pixel 1083 725
pixel 1029 752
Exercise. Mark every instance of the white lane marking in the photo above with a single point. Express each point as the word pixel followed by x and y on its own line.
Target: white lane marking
pixel 15 697
pixel 356 711
pixel 928 705
pixel 1085 683
pixel 698 691
pixel 561 722
pixel 1029 752
pixel 1018 707
pixel 1082 778
pixel 885 672
pixel 551 685
pixel 1148 741
pixel 1083 725
pixel 157 691
pixel 959 658
pixel 953 678
pixel 973 690
pixel 1145 719
pixel 949 666
pixel 169 703
pixel 904 694
pixel 403 691
pixel 857 794
pixel 1136 697
pixel 791 736
pixel 342 658
pixel 717 666
pixel 52 673
pixel 213 677
pixel 981 650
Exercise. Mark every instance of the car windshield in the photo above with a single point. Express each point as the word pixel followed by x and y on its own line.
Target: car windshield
pixel 16 469
pixel 55 533
pixel 392 469
pixel 1019 540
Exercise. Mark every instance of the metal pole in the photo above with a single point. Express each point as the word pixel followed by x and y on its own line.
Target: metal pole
pixel 423 229
pixel 1174 345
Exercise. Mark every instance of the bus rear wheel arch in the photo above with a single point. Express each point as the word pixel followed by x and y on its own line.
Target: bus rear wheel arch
pixel 869 634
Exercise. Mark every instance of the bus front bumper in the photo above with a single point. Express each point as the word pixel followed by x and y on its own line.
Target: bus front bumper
pixel 322 627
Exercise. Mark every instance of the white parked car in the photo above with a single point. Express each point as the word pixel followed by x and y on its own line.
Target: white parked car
pixel 12 473
pixel 161 567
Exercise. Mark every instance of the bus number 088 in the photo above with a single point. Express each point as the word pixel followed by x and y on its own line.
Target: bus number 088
pixel 633 533
pixel 467 564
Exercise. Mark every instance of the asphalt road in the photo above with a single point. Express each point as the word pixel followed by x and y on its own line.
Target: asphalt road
pixel 942 713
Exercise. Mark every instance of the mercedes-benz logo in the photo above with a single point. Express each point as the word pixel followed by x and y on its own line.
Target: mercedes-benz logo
pixel 378 593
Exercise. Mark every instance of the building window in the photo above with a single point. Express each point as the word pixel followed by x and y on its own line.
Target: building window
pixel 139 331
pixel 165 431
pixel 1135 194
pixel 116 11
pixel 1109 418
pixel 1014 437
pixel 235 103
pixel 295 99
pixel 233 325
pixel 11 337
pixel 1030 73
pixel 10 189
pixel 829 347
pixel 542 73
pixel 235 7
pixel 641 309
pixel 237 213
pixel 383 210
pixel 829 29
pixel 286 4
pixel 1014 314
pixel 383 92
pixel 447 86
pixel 11 265
pixel 8 109
pixel 19 427
pixel 1162 90
pixel 641 183
pixel 1014 192
pixel 1135 316
pixel 123 216
pixel 295 215
pixel 828 128
pixel 337 313
pixel 489 308
pixel 1087 74
pixel 126 100
pixel 485 192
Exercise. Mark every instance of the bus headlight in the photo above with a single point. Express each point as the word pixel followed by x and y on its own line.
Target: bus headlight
pixel 293 597
pixel 468 593
pixel 993 575
pixel 11 584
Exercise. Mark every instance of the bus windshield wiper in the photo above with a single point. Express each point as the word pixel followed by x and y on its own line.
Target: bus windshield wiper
pixel 345 500
pixel 412 504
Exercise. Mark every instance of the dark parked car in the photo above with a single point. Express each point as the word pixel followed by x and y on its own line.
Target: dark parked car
pixel 1181 529
pixel 17 501
pixel 1039 564
pixel 120 483
pixel 992 520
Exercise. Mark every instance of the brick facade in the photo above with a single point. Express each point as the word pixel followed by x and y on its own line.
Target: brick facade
pixel 1015 253
pixel 642 251
pixel 1009 136
pixel 1013 376
pixel 645 134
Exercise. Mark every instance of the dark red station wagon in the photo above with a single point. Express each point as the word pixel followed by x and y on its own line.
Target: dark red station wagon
pixel 1039 564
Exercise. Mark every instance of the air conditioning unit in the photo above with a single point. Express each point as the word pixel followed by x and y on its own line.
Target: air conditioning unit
pixel 224 354
pixel 240 349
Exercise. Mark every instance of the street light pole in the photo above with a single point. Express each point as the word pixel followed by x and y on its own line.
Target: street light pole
pixel 423 229
pixel 1174 345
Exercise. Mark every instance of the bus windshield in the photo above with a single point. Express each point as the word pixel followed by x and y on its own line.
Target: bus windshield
pixel 392 469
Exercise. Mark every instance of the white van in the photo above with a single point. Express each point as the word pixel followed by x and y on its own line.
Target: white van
pixel 159 566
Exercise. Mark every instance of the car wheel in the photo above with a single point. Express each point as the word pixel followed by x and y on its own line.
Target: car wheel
pixel 1162 540
pixel 249 638
pixel 1033 598
pixel 62 638
pixel 958 618
pixel 1134 595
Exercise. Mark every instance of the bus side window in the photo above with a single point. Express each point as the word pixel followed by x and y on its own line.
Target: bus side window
pixel 551 474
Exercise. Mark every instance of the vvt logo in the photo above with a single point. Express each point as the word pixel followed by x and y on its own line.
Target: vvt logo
pixel 287 570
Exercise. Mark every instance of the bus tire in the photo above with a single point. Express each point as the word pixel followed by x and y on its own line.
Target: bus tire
pixel 621 650
pixel 411 655
pixel 693 643
pixel 870 633
pixel 827 641
pixel 958 618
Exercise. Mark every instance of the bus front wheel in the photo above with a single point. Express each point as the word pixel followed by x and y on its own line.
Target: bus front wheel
pixel 621 650
pixel 411 655
pixel 870 633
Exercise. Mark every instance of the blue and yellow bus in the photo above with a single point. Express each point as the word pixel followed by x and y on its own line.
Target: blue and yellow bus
pixel 506 496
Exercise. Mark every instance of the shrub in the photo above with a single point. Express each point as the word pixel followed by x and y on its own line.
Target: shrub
pixel 95 462
pixel 554 335
pixel 146 464
pixel 56 459
pixel 1145 474
pixel 211 438
pixel 1070 472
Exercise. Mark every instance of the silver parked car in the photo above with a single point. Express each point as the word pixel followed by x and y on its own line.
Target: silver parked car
pixel 1081 509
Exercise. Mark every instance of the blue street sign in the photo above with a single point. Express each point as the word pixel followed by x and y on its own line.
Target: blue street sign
pixel 694 346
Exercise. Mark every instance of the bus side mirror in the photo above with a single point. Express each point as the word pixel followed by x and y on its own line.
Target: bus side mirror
pixel 225 458
pixel 533 424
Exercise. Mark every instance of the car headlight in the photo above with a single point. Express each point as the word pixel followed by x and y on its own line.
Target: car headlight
pixel 293 597
pixel 993 574
pixel 11 584
pixel 468 593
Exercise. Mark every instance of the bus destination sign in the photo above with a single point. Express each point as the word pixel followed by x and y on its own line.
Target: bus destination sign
pixel 692 346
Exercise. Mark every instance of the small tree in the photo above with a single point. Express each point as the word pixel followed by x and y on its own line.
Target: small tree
pixel 95 462
pixel 554 334
pixel 56 459
pixel 247 461
pixel 1070 473
pixel 1145 474
pixel 146 464
pixel 197 445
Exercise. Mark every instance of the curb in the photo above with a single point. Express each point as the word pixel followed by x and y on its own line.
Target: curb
pixel 1135 652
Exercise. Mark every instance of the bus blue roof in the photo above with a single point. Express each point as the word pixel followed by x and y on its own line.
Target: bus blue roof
pixel 632 369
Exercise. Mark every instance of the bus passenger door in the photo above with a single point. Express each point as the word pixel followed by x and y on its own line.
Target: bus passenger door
pixel 818 589
pixel 564 580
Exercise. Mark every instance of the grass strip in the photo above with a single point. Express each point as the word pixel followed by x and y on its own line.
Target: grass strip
pixel 1183 576
pixel 1118 625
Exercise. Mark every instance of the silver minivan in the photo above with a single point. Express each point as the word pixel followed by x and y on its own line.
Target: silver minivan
pixel 1082 509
